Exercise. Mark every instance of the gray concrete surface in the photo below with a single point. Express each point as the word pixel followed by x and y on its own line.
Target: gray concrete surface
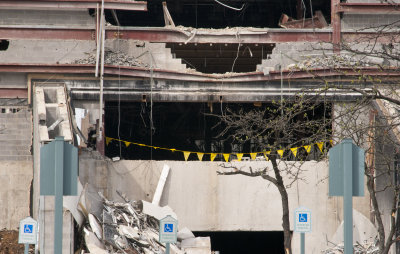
pixel 205 201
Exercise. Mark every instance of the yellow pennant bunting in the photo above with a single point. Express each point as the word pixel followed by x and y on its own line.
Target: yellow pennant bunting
pixel 200 156
pixel 108 140
pixel 320 146
pixel 280 152
pixel 226 156
pixel 308 148
pixel 266 155
pixel 212 157
pixel 331 142
pixel 127 143
pixel 294 151
pixel 186 154
pixel 239 156
pixel 253 156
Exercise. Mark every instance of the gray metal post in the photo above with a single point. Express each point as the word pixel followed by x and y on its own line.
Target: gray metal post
pixel 26 251
pixel 302 243
pixel 167 248
pixel 58 187
pixel 348 196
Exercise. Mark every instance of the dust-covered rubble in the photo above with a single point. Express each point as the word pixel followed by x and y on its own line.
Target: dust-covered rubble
pixel 358 248
pixel 133 227
pixel 117 58
pixel 335 61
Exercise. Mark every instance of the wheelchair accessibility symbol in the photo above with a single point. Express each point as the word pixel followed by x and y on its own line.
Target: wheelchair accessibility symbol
pixel 302 217
pixel 28 228
pixel 169 228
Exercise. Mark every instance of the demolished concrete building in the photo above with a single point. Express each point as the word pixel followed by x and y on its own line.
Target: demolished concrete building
pixel 130 83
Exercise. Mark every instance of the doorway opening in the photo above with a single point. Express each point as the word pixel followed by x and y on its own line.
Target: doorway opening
pixel 239 242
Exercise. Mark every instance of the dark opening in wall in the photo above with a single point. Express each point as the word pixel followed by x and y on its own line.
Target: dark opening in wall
pixel 221 58
pixel 4 45
pixel 185 127
pixel 240 242
pixel 210 14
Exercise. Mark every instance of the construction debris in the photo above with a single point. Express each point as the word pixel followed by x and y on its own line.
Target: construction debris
pixel 358 248
pixel 317 21
pixel 133 227
pixel 113 58
pixel 334 61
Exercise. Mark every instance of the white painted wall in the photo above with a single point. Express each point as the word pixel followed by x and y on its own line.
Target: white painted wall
pixel 205 201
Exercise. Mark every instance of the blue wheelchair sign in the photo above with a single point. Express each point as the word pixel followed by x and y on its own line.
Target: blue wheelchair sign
pixel 168 227
pixel 303 217
pixel 28 228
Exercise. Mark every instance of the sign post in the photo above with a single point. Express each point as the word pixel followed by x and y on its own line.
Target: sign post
pixel 168 231
pixel 58 177
pixel 346 178
pixel 302 224
pixel 27 232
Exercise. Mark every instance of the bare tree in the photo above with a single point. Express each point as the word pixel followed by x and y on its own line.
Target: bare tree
pixel 277 128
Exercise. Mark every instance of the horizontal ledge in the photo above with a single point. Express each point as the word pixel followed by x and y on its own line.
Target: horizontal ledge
pixel 68 4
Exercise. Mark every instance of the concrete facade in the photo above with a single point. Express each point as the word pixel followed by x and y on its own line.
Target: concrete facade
pixel 206 201
pixel 16 164
pixel 203 200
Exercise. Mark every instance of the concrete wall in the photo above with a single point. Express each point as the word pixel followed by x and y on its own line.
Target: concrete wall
pixel 16 164
pixel 205 201
pixel 46 17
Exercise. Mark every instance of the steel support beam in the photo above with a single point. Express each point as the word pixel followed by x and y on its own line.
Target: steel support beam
pixel 13 93
pixel 368 8
pixel 73 4
pixel 158 34
pixel 137 72
pixel 336 26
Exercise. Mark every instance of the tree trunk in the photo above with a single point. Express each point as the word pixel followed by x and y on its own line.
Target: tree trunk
pixel 287 237
pixel 377 214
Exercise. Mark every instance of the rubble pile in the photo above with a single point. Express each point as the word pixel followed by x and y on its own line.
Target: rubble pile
pixel 332 61
pixel 358 248
pixel 113 58
pixel 132 227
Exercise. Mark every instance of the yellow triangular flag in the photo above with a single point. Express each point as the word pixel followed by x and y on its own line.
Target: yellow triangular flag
pixel 294 151
pixel 331 142
pixel 108 140
pixel 308 148
pixel 280 152
pixel 226 156
pixel 320 146
pixel 266 155
pixel 212 157
pixel 127 143
pixel 239 156
pixel 253 156
pixel 186 154
pixel 200 156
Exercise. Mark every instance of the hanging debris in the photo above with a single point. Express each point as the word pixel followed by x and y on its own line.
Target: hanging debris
pixel 133 227
pixel 317 21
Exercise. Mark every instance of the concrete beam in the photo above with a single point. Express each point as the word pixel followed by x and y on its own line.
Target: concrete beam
pixel 73 4
pixel 13 93
pixel 368 8
pixel 165 35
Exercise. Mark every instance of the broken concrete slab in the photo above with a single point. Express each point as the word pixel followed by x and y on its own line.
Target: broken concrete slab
pixel 156 211
pixel 198 242
pixel 185 233
pixel 93 244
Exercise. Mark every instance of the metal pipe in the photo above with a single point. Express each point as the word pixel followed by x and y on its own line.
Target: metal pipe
pixel 100 132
